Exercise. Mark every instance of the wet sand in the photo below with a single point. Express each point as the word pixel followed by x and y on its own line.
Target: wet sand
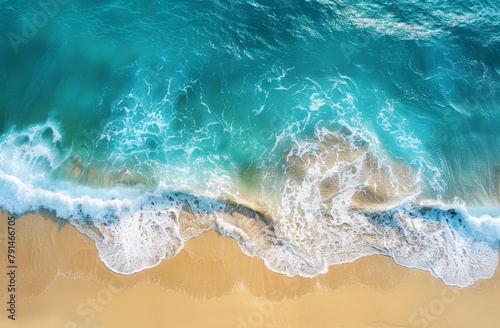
pixel 211 283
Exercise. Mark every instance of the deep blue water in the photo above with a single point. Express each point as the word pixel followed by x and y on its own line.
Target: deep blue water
pixel 310 112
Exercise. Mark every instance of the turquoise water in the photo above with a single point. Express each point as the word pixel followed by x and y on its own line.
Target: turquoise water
pixel 298 128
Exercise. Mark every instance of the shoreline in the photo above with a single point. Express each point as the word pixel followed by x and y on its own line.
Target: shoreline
pixel 59 270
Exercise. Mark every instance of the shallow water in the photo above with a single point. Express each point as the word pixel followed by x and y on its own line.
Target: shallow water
pixel 313 132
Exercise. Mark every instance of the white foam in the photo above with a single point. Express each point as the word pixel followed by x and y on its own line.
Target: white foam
pixel 137 242
pixel 317 227
pixel 339 202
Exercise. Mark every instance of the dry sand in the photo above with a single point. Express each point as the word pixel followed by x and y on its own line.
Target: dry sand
pixel 211 283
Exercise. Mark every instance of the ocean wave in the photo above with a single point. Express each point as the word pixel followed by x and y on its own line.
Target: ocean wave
pixel 312 132
pixel 337 201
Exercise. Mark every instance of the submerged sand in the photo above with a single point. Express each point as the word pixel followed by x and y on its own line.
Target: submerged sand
pixel 211 283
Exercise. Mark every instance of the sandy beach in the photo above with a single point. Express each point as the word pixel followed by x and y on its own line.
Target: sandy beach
pixel 211 283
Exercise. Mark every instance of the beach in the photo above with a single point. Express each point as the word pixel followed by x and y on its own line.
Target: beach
pixel 62 283
pixel 250 164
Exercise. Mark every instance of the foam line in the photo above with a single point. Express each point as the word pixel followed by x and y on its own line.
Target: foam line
pixel 340 200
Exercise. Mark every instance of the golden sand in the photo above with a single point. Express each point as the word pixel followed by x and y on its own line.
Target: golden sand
pixel 211 283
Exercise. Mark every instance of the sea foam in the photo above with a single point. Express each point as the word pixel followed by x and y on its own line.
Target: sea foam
pixel 339 201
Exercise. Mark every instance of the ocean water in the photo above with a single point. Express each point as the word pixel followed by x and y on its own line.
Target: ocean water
pixel 312 132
